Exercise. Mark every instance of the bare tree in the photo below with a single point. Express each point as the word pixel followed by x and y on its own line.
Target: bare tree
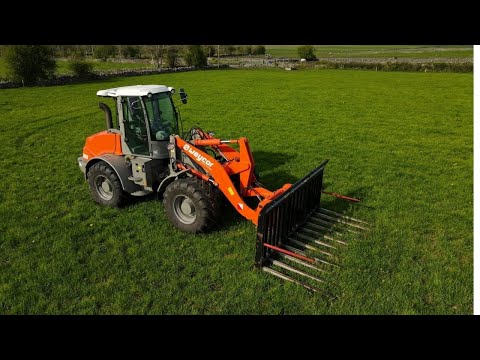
pixel 121 51
pixel 156 53
pixel 209 50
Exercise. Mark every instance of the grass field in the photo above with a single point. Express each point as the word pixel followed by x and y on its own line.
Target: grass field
pixel 380 51
pixel 403 142
pixel 62 66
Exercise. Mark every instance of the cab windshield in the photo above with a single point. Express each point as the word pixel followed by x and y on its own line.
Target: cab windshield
pixel 161 115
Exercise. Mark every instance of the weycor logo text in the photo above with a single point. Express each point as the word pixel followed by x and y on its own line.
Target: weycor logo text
pixel 196 155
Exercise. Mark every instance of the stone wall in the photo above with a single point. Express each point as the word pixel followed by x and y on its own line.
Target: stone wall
pixel 99 75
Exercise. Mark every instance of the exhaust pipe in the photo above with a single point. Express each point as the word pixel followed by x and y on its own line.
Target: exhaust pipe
pixel 108 115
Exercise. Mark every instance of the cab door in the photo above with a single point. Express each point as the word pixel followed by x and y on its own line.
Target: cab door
pixel 135 125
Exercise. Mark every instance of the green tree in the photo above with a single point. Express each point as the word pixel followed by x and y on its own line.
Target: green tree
pixel 306 52
pixel 121 51
pixel 259 50
pixel 104 52
pixel 230 49
pixel 82 69
pixel 30 63
pixel 247 49
pixel 132 52
pixel 195 56
pixel 172 56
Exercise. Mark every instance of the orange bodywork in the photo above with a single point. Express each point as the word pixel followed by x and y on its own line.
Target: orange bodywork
pixel 237 162
pixel 219 174
pixel 102 143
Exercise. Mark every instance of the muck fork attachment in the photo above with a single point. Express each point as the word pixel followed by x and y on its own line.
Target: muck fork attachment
pixel 297 238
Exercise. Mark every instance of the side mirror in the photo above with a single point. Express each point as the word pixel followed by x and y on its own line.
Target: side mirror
pixel 183 95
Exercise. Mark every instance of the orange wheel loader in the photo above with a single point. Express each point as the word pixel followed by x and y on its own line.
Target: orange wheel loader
pixel 141 152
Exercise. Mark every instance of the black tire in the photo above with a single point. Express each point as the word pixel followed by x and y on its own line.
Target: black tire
pixel 105 185
pixel 192 205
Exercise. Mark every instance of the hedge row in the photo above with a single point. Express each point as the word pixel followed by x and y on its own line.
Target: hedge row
pixel 399 66
pixel 70 79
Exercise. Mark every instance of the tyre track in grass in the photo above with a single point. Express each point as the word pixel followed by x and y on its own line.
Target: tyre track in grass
pixel 20 140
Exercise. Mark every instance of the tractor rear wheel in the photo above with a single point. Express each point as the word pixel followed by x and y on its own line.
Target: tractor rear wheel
pixel 192 205
pixel 105 185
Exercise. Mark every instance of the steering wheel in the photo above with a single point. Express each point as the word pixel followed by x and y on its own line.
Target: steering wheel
pixel 139 134
pixel 136 105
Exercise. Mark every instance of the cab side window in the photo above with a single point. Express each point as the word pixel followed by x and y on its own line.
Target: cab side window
pixel 135 125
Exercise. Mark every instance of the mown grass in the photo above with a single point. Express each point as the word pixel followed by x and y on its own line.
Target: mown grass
pixel 377 51
pixel 400 141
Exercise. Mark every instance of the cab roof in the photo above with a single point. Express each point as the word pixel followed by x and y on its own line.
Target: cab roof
pixel 135 90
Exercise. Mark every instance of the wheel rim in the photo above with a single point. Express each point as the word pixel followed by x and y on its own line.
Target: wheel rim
pixel 104 187
pixel 184 209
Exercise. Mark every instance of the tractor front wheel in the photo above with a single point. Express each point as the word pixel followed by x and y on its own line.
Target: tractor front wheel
pixel 105 185
pixel 191 204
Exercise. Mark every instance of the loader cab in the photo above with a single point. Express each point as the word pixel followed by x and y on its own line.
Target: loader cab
pixel 146 118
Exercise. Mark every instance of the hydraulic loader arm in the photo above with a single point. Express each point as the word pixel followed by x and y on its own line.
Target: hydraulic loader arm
pixel 218 174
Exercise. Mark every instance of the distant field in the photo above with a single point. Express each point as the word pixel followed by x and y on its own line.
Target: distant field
pixel 399 51
pixel 62 66
pixel 322 51
pixel 403 142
